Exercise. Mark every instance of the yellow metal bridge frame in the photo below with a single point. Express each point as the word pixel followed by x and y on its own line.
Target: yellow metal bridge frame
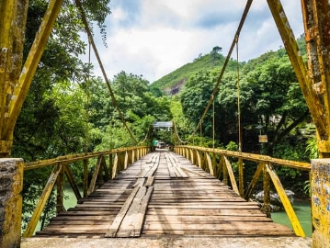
pixel 314 78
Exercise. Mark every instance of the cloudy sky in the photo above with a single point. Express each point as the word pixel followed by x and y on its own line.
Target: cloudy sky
pixel 154 37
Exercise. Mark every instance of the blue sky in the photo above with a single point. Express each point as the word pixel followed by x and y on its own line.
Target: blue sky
pixel 154 37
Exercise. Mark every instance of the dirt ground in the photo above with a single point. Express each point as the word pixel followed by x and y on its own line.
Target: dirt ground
pixel 190 242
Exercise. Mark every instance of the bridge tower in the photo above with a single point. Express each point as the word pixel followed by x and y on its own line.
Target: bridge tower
pixel 15 79
pixel 314 81
pixel 12 25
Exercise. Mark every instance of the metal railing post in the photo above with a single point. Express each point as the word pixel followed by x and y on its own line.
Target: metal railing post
pixel 266 209
pixel 60 191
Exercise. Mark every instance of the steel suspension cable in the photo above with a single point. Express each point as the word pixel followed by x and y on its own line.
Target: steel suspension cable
pixel 89 33
pixel 177 134
pixel 201 134
pixel 215 89
pixel 238 103
pixel 240 161
pixel 146 136
pixel 85 161
pixel 88 98
pixel 213 123
pixel 111 127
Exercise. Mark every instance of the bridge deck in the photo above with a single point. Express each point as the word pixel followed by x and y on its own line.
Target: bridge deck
pixel 163 194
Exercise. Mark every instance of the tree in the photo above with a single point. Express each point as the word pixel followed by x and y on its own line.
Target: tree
pixel 215 53
pixel 183 124
pixel 195 97
pixel 269 95
pixel 277 99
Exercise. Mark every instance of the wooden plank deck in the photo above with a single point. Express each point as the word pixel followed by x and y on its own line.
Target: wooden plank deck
pixel 163 194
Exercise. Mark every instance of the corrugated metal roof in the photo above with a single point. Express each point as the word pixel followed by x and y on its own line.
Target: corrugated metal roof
pixel 163 124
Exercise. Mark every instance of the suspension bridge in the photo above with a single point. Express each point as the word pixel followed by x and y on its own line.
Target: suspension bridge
pixel 160 194
pixel 162 198
pixel 165 194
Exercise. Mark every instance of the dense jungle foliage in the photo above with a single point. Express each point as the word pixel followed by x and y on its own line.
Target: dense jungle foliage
pixel 69 110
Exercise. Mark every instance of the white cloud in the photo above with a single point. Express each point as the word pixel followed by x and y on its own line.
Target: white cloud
pixel 118 14
pixel 153 38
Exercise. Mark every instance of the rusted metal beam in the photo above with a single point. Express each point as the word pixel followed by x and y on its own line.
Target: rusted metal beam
pixel 31 64
pixel 42 201
pixel 285 201
pixel 92 184
pixel 105 169
pixel 126 160
pixel 317 36
pixel 230 171
pixel 85 180
pixel 224 170
pixel 314 102
pixel 114 168
pixel 254 181
pixel 265 208
pixel 73 157
pixel 241 176
pixel 72 182
pixel 209 164
pixel 253 157
pixel 60 191
pixel 12 26
pixel 7 13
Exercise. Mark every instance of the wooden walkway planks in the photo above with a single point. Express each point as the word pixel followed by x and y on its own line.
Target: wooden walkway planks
pixel 163 194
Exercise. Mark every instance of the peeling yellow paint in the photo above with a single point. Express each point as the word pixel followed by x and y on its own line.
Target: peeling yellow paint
pixel 320 189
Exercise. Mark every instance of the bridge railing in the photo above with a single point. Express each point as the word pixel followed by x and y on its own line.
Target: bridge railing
pixel 118 159
pixel 217 163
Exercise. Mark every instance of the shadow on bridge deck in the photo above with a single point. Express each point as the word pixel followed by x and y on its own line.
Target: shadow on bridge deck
pixel 164 197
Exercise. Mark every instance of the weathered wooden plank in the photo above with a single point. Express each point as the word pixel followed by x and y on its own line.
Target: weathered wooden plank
pixel 195 195
pixel 209 205
pixel 226 229
pixel 202 208
pixel 77 229
pixel 89 213
pixel 152 171
pixel 95 208
pixel 167 190
pixel 150 181
pixel 112 231
pixel 202 201
pixel 171 171
pixel 77 222
pixel 105 200
pixel 84 218
pixel 206 212
pixel 181 172
pixel 218 233
pixel 211 181
pixel 97 204
pixel 132 224
pixel 203 219
pixel 159 188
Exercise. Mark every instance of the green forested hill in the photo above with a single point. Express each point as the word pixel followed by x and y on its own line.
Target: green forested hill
pixel 214 61
pixel 211 61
